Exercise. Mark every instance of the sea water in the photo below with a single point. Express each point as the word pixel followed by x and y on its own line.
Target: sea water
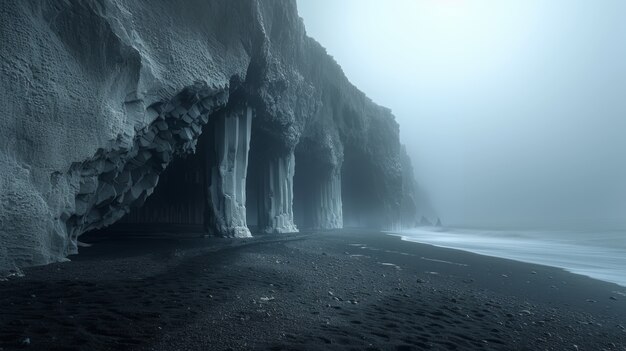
pixel 600 255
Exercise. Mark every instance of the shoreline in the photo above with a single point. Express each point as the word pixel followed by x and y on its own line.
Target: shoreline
pixel 329 290
pixel 602 273
pixel 565 269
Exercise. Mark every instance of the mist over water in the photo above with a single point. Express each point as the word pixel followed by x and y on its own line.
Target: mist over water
pixel 512 111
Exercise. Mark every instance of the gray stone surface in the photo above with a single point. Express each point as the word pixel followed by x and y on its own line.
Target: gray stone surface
pixel 98 97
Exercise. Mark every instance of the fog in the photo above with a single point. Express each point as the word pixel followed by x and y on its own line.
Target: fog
pixel 513 111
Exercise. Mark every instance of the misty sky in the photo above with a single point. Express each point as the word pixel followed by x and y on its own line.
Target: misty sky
pixel 513 111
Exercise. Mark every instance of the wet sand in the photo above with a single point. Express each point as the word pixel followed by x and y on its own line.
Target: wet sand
pixel 346 290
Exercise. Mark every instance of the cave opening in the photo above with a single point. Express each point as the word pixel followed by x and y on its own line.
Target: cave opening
pixel 239 178
pixel 203 193
pixel 360 191
pixel 269 188
pixel 306 182
pixel 178 203
pixel 317 192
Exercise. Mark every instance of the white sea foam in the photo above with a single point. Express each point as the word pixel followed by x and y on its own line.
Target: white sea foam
pixel 600 255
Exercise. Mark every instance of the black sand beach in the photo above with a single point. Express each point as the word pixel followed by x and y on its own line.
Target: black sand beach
pixel 347 290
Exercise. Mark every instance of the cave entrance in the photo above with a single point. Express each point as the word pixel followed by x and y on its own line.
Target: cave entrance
pixel 178 203
pixel 317 200
pixel 263 150
pixel 307 181
pixel 360 191
pixel 269 188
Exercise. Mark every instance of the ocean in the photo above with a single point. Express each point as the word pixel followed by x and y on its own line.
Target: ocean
pixel 599 255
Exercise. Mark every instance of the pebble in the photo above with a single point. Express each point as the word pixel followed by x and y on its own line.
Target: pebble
pixel 25 341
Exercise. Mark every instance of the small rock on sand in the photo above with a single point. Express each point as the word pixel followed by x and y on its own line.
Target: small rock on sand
pixel 25 341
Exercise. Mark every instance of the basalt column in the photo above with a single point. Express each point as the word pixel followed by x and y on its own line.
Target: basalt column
pixel 276 195
pixel 328 209
pixel 227 200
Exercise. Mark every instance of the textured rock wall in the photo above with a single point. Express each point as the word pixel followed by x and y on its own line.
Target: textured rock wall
pixel 99 96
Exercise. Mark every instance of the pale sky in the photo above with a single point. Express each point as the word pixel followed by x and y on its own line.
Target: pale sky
pixel 513 111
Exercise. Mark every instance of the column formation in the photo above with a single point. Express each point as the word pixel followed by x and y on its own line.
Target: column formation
pixel 328 207
pixel 228 173
pixel 276 195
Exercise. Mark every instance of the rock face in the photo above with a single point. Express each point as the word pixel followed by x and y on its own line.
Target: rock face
pixel 224 105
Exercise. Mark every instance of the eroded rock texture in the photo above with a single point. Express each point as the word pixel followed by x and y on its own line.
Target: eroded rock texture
pixel 101 98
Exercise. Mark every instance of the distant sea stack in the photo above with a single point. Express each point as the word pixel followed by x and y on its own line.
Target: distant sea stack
pixel 208 116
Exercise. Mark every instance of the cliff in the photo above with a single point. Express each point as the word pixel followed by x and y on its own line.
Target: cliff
pixel 204 114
